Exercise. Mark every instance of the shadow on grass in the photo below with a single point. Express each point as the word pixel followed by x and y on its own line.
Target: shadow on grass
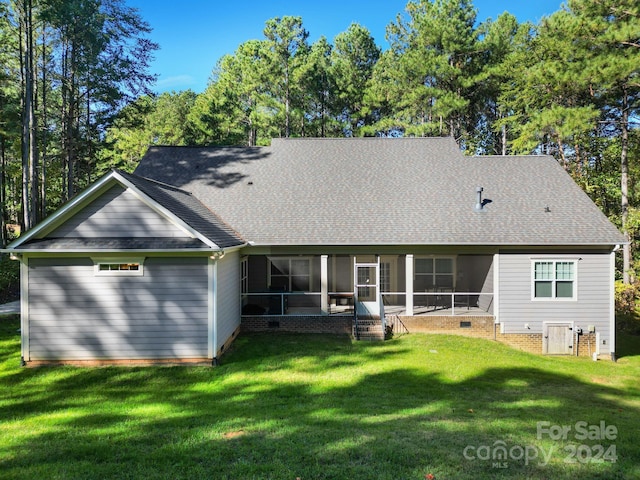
pixel 627 345
pixel 309 406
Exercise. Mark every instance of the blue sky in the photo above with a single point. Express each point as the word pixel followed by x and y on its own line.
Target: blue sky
pixel 194 34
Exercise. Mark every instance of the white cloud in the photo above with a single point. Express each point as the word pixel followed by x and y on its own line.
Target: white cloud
pixel 177 82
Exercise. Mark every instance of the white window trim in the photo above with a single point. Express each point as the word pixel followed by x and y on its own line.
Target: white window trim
pixel 244 275
pixel 392 262
pixel 553 298
pixel 118 273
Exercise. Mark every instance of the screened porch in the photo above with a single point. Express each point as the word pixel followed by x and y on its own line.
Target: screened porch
pixel 407 284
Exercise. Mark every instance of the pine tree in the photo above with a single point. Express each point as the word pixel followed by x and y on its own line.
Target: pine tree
pixel 422 83
pixel 353 59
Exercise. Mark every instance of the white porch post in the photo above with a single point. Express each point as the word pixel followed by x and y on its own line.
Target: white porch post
pixel 324 284
pixel 496 290
pixel 24 309
pixel 612 308
pixel 212 333
pixel 409 283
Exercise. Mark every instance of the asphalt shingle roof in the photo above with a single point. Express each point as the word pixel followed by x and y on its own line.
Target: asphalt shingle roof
pixel 189 209
pixel 381 191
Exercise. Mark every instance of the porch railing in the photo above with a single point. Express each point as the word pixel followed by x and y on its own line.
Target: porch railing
pixel 449 300
pixel 383 319
pixel 310 303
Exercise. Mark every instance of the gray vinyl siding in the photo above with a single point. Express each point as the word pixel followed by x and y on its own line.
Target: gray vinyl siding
pixel 117 213
pixel 75 315
pixel 592 306
pixel 228 291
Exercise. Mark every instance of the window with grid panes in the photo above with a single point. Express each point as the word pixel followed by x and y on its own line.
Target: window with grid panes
pixel 554 279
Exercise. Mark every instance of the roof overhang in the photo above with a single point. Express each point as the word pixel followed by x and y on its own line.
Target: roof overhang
pixel 93 192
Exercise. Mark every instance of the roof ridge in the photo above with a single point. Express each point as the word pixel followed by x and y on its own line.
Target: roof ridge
pixel 521 155
pixel 196 147
pixel 351 139
pixel 151 180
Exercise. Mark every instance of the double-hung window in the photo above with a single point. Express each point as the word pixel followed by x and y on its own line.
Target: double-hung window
pixel 554 279
pixel 291 274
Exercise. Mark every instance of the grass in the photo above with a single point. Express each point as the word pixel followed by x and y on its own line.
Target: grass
pixel 320 407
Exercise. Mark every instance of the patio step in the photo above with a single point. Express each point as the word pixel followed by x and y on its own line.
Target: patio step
pixel 369 328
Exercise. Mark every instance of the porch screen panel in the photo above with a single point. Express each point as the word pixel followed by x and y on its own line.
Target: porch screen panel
pixel 342 279
pixel 300 275
pixel 444 272
pixel 423 275
pixel 433 273
pixel 279 273
pixel 290 274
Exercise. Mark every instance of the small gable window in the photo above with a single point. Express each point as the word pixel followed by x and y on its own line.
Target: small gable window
pixel 554 279
pixel 119 266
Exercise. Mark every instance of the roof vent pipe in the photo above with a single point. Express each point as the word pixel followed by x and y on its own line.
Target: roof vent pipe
pixel 479 205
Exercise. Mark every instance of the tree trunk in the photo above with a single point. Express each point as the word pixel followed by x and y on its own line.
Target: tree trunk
pixel 28 116
pixel 627 274
pixel 33 129
pixel 3 198
pixel 69 117
pixel 45 127
pixel 287 103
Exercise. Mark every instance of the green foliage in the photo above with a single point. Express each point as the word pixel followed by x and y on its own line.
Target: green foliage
pixel 629 324
pixel 423 82
pixel 625 297
pixel 162 120
pixel 9 279
pixel 353 60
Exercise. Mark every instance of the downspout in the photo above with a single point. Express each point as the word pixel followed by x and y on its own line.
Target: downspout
pixel 612 304
pixel 25 356
pixel 213 309
pixel 496 294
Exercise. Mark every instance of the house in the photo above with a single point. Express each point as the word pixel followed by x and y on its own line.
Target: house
pixel 359 236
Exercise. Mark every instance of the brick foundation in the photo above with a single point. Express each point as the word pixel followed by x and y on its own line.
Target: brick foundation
pixel 468 325
pixel 583 345
pixel 298 324
pixel 133 362
pixel 229 341
pixel 476 326
pixel 586 345
pixel 528 342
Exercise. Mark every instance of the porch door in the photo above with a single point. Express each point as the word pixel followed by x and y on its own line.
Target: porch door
pixel 557 339
pixel 366 282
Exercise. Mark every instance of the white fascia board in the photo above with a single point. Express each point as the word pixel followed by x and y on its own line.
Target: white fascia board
pixel 47 251
pixel 32 252
pixel 64 212
pixel 94 190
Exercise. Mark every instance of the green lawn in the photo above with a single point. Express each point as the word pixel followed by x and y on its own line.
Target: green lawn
pixel 324 407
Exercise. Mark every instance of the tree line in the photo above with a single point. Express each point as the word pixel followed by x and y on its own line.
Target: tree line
pixel 567 86
pixel 67 69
